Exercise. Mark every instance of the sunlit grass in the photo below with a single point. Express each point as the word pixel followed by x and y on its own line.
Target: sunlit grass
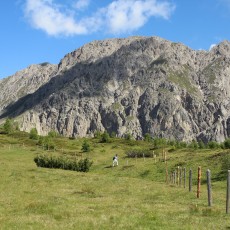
pixel 133 195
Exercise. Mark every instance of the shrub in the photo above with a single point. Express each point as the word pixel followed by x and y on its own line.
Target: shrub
pixel 182 144
pixel 63 163
pixel 84 165
pixel 47 142
pixel 104 137
pixel 8 126
pixel 147 137
pixel 225 166
pixel 172 143
pixel 227 143
pixel 159 142
pixel 53 133
pixel 201 145
pixel 50 145
pixel 97 134
pixel 213 145
pixel 222 146
pixel 113 135
pixel 128 137
pixel 34 134
pixel 85 146
pixel 179 144
pixel 194 145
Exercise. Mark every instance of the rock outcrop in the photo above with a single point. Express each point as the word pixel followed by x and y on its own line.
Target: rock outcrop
pixel 25 82
pixel 135 85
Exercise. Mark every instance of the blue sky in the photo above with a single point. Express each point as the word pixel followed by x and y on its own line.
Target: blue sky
pixel 37 31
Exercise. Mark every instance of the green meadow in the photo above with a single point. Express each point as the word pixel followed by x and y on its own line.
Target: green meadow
pixel 133 195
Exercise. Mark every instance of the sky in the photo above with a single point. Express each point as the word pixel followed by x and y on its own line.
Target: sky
pixel 37 31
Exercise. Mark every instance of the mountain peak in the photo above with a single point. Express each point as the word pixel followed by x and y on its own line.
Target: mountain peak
pixel 133 85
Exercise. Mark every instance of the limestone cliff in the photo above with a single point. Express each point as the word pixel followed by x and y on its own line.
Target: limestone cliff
pixel 135 85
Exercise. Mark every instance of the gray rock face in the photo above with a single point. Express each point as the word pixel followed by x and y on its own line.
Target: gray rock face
pixel 24 82
pixel 136 85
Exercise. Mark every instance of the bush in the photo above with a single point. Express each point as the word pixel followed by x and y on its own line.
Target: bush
pixel 159 142
pixel 213 145
pixel 182 144
pixel 178 144
pixel 194 145
pixel 52 133
pixel 113 135
pixel 47 142
pixel 85 146
pixel 225 164
pixel 97 134
pixel 201 145
pixel 128 137
pixel 172 143
pixel 34 134
pixel 104 137
pixel 63 163
pixel 147 137
pixel 227 143
pixel 8 126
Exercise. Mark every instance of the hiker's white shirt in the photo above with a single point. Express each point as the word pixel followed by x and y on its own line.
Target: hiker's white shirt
pixel 115 161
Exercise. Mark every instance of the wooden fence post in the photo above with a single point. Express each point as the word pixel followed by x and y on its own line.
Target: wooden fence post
pixel 209 187
pixel 165 156
pixel 184 177
pixel 228 192
pixel 166 171
pixel 175 177
pixel 190 180
pixel 178 175
pixel 198 182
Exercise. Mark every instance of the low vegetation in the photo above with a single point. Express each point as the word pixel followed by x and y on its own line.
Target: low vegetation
pixel 62 163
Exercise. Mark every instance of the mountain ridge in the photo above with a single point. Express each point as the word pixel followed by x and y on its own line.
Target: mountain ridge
pixel 134 85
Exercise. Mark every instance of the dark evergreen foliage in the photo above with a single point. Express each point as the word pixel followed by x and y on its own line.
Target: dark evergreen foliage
pixel 45 161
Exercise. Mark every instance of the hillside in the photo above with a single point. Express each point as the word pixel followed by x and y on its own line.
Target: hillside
pixel 133 195
pixel 135 85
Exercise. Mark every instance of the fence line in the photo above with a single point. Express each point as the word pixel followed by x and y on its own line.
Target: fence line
pixel 209 188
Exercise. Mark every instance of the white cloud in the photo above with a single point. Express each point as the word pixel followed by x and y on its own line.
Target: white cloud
pixel 47 16
pixel 211 46
pixel 127 16
pixel 81 4
pixel 120 16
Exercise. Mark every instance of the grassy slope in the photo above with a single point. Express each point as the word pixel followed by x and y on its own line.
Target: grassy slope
pixel 130 196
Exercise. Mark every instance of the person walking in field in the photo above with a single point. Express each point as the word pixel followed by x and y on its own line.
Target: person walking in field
pixel 115 160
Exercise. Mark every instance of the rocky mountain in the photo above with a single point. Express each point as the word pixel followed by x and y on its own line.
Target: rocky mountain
pixel 135 85
pixel 24 83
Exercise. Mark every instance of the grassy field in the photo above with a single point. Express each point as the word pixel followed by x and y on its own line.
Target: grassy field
pixel 133 195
